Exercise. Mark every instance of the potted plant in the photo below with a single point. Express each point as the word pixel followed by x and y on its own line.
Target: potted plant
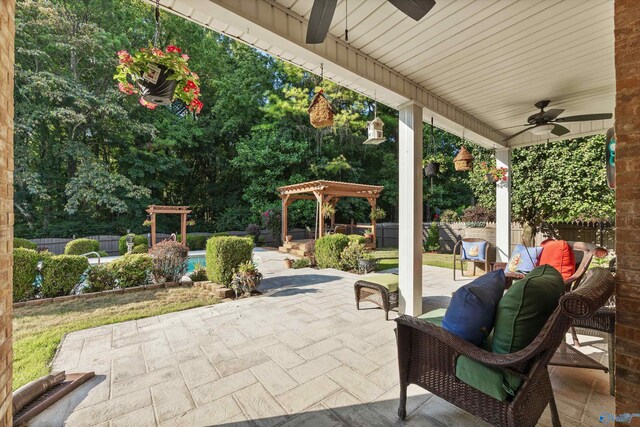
pixel 494 174
pixel 377 214
pixel 433 164
pixel 160 77
pixel 328 210
pixel 368 233
pixel 246 279
pixel 367 263
pixel 288 262
pixel 288 238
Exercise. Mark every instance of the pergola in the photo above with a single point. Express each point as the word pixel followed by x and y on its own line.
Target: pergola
pixel 327 192
pixel 476 67
pixel 183 211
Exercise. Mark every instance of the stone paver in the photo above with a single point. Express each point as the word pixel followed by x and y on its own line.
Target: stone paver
pixel 300 355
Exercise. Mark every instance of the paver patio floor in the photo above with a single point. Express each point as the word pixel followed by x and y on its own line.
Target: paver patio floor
pixel 300 355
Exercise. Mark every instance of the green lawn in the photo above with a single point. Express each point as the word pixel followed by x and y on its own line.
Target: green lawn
pixel 388 258
pixel 37 331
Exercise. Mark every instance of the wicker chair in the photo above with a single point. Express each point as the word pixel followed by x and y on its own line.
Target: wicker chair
pixel 427 357
pixel 457 251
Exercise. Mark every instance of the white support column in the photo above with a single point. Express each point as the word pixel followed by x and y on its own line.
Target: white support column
pixel 503 208
pixel 410 209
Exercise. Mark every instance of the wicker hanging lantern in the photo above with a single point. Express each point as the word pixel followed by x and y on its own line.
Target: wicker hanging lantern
pixel 320 111
pixel 464 160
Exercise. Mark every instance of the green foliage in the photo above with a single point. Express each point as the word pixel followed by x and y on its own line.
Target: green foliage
pixel 356 238
pixel 100 278
pixel 169 261
pixel 138 240
pixel 61 273
pixel 198 275
pixel 377 214
pixel 351 254
pixel 432 242
pixel 225 254
pixel 301 263
pixel 140 249
pixel 196 242
pixel 246 278
pixel 24 243
pixel 131 270
pixel 449 216
pixel 25 264
pixel 328 250
pixel 81 246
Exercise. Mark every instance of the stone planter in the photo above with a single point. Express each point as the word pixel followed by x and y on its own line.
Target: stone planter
pixel 367 265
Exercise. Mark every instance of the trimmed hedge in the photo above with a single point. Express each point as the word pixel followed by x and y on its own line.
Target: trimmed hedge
pixel 225 254
pixel 19 242
pixel 81 247
pixel 61 273
pixel 329 250
pixel 25 265
pixel 131 269
pixel 100 278
pixel 138 239
pixel 140 249
pixel 357 238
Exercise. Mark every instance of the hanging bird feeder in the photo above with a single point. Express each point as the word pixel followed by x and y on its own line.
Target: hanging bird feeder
pixel 464 160
pixel 375 135
pixel 321 111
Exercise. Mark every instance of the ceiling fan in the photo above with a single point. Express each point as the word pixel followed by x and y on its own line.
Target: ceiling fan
pixel 322 14
pixel 546 122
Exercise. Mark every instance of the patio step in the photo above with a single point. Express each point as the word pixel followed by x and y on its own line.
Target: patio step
pixel 292 251
pixel 218 290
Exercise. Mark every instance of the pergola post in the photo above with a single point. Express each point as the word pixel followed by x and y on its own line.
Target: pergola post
pixel 285 213
pixel 410 209
pixel 503 207
pixel 372 203
pixel 153 229
pixel 183 227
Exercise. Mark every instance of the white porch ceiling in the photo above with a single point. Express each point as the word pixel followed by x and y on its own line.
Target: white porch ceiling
pixel 474 65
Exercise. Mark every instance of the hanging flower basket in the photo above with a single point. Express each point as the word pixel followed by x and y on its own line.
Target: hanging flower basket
pixel 320 111
pixel 494 174
pixel 464 160
pixel 161 77
pixel 431 169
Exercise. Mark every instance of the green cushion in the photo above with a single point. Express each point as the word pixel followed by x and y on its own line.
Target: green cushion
pixel 525 308
pixel 492 381
pixel 389 281
pixel 434 316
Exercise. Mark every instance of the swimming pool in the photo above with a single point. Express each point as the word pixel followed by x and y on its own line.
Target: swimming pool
pixel 196 259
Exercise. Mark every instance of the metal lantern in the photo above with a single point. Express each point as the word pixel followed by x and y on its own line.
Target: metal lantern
pixel 464 160
pixel 374 132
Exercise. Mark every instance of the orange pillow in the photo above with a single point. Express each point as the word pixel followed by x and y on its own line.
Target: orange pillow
pixel 559 255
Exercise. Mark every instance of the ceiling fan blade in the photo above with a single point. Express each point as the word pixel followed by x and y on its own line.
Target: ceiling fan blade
pixel 320 20
pixel 552 114
pixel 415 9
pixel 584 117
pixel 518 133
pixel 560 130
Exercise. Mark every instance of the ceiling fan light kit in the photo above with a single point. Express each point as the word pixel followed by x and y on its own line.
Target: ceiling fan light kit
pixel 542 130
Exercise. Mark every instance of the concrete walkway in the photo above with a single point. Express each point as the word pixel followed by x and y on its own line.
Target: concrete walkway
pixel 300 355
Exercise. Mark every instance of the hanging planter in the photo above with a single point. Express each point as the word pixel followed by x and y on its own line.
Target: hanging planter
pixel 433 164
pixel 320 111
pixel 464 160
pixel 431 169
pixel 161 77
pixel 494 174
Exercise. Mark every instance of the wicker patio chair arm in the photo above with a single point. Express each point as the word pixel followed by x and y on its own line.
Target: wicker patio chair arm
pixel 463 348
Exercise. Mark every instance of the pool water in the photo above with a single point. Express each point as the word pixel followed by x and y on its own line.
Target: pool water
pixel 193 260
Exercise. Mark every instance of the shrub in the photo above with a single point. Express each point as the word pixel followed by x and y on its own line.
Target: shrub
pixel 138 239
pixel 351 254
pixel 225 254
pixel 100 278
pixel 81 246
pixel 198 275
pixel 61 273
pixel 432 243
pixel 253 230
pixel 140 249
pixel 301 263
pixel 246 279
pixel 131 270
pixel 169 261
pixel 195 241
pixel 24 243
pixel 25 269
pixel 329 249
pixel 356 238
pixel 449 216
pixel 478 214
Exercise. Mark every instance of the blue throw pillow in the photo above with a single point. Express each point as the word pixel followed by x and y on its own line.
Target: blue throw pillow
pixel 472 310
pixel 523 259
pixel 473 250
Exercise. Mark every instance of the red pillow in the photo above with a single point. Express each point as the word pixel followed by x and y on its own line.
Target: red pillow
pixel 559 255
